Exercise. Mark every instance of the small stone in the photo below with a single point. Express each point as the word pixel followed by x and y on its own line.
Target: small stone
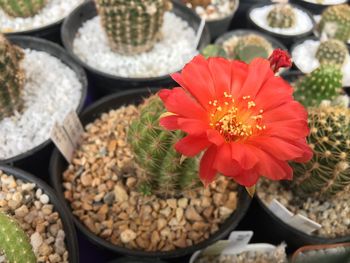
pixel 127 236
pixel 172 203
pixel 131 182
pixel 120 193
pixel 109 198
pixel 161 223
pixel 36 240
pixel 44 199
pixel 86 179
pixel 179 213
pixel 21 212
pixel 55 258
pixel 59 243
pixel 45 249
pixel 192 214
pixel 166 211
pixel 183 202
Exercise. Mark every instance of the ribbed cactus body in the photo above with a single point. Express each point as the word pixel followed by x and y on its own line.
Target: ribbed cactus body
pixel 251 46
pixel 154 152
pixel 11 78
pixel 332 51
pixel 329 170
pixel 213 51
pixel 14 243
pixel 335 22
pixel 195 3
pixel 324 83
pixel 282 16
pixel 132 26
pixel 22 8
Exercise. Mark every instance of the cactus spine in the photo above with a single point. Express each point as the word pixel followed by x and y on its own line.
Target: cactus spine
pixel 282 16
pixel 22 8
pixel 251 46
pixel 153 148
pixel 11 78
pixel 213 51
pixel 332 51
pixel 329 170
pixel 324 83
pixel 132 26
pixel 195 3
pixel 14 243
pixel 335 22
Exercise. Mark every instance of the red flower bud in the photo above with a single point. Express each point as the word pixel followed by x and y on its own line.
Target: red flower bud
pixel 280 59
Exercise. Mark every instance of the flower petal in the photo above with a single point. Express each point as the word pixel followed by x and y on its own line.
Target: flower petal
pixel 288 111
pixel 220 69
pixel 215 137
pixel 192 126
pixel 224 162
pixel 169 122
pixel 289 129
pixel 207 172
pixel 192 145
pixel 244 155
pixel 239 71
pixel 247 178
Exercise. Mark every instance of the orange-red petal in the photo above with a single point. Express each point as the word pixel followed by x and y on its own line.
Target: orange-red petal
pixel 207 172
pixel 192 145
pixel 244 154
pixel 169 122
pixel 220 70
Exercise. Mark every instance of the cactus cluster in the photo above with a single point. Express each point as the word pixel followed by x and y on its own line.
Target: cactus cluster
pixel 14 243
pixel 11 78
pixel 213 51
pixel 335 22
pixel 251 46
pixel 324 83
pixel 132 26
pixel 166 173
pixel 282 16
pixel 332 51
pixel 328 173
pixel 195 3
pixel 22 8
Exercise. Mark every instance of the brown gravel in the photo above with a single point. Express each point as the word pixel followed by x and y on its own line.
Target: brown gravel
pixel 31 208
pixel 101 186
pixel 332 213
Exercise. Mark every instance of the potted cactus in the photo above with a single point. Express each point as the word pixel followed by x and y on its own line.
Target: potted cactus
pixel 41 18
pixel 245 45
pixel 140 50
pixel 39 85
pixel 217 13
pixel 320 188
pixel 134 193
pixel 34 225
pixel 310 53
pixel 284 21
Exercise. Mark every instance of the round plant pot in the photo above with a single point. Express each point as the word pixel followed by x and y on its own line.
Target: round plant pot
pixel 37 159
pixel 105 83
pixel 313 7
pixel 71 240
pixel 136 260
pixel 58 165
pixel 287 40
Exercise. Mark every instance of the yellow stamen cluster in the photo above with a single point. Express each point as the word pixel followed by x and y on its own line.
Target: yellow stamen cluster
pixel 235 121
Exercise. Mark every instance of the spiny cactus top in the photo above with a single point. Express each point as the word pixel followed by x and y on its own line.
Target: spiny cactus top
pixel 11 78
pixel 154 151
pixel 132 26
pixel 335 22
pixel 213 51
pixel 195 3
pixel 14 243
pixel 251 46
pixel 22 8
pixel 282 16
pixel 332 51
pixel 324 83
pixel 329 170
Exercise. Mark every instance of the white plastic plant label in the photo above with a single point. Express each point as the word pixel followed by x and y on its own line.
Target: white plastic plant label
pixel 297 221
pixel 67 136
pixel 199 33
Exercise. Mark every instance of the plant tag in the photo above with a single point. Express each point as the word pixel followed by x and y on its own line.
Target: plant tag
pixel 280 210
pixel 199 33
pixel 304 224
pixel 61 139
pixel 238 242
pixel 74 128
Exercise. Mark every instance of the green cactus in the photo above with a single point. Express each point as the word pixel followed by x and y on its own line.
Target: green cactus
pixel 324 83
pixel 332 51
pixel 282 16
pixel 335 22
pixel 14 242
pixel 132 26
pixel 22 8
pixel 153 148
pixel 328 172
pixel 11 78
pixel 213 51
pixel 251 46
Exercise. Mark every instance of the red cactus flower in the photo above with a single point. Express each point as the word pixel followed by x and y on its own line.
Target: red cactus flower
pixel 242 116
pixel 280 59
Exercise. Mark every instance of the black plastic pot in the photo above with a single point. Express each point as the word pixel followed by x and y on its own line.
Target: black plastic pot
pixel 136 260
pixel 37 159
pixel 105 83
pixel 312 7
pixel 71 240
pixel 58 165
pixel 287 40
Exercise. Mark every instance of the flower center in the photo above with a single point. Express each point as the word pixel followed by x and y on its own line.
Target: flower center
pixel 236 120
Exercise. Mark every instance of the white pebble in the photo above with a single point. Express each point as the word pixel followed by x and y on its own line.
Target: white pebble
pixel 51 91
pixel 36 240
pixel 303 21
pixel 304 57
pixel 44 199
pixel 54 11
pixel 169 55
